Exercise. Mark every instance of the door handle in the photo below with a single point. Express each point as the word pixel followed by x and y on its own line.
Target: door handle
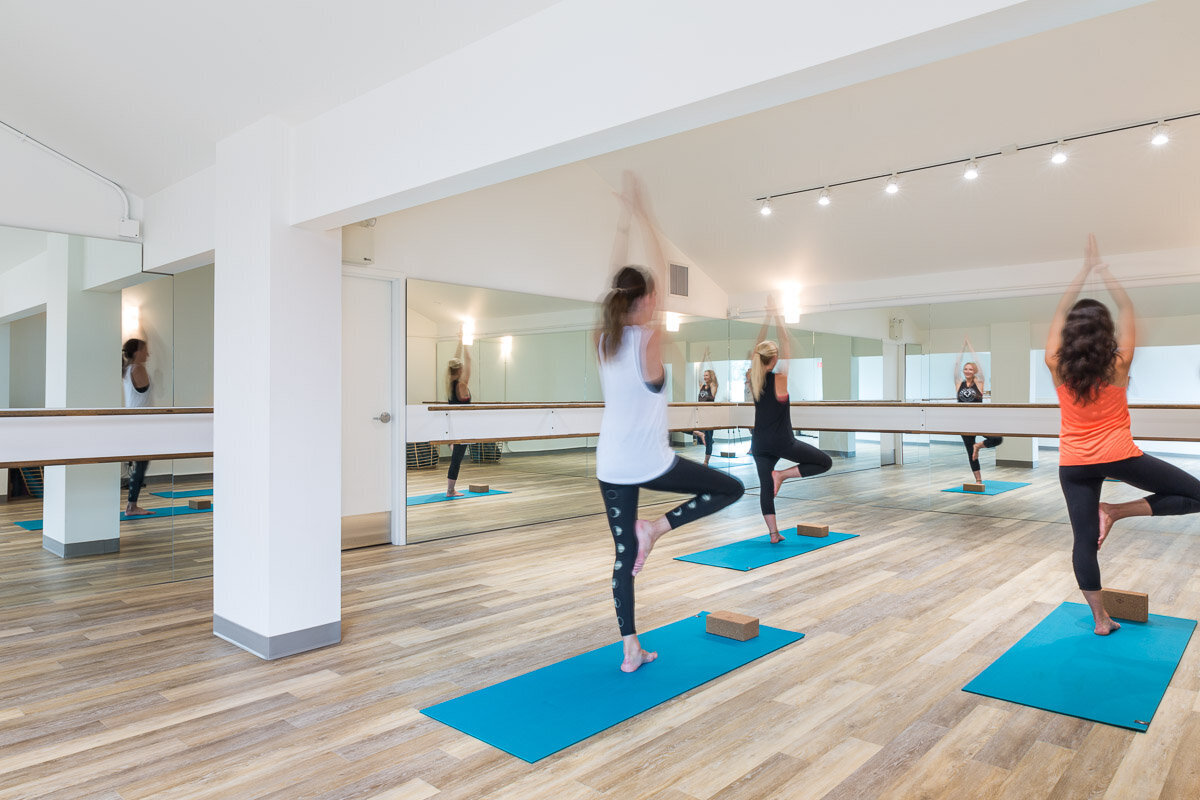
pixel 384 417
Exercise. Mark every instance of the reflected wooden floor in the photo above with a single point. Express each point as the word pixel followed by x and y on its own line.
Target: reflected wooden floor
pixel 126 694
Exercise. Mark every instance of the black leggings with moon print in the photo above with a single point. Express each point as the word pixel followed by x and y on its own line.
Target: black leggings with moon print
pixel 714 490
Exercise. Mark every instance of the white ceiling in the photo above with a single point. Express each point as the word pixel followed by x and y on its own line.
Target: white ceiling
pixel 141 91
pixel 1125 67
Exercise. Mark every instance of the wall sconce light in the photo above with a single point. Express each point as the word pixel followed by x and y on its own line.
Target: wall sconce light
pixel 468 331
pixel 791 303
pixel 505 347
pixel 672 321
pixel 131 322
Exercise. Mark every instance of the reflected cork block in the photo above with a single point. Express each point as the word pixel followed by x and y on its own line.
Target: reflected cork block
pixel 200 505
pixel 809 529
pixel 1120 604
pixel 731 625
pixel 478 488
pixel 973 487
pixel 728 454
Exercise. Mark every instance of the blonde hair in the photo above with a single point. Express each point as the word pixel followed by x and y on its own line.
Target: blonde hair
pixel 453 370
pixel 766 352
pixel 972 364
pixel 715 382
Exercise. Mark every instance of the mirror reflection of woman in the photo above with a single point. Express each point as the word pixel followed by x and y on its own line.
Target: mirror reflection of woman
pixel 633 451
pixel 1089 359
pixel 707 394
pixel 458 392
pixel 971 390
pixel 772 438
pixel 135 380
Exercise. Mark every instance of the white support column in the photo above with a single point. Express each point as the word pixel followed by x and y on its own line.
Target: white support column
pixel 399 532
pixel 1009 383
pixel 81 504
pixel 277 414
pixel 837 362
pixel 891 445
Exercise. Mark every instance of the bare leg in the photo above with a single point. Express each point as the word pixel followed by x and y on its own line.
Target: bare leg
pixel 1104 623
pixel 781 475
pixel 647 533
pixel 1110 513
pixel 975 454
pixel 450 488
pixel 772 528
pixel 635 656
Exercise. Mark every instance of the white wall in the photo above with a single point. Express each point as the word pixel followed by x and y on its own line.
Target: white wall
pixel 180 227
pixel 423 381
pixel 27 364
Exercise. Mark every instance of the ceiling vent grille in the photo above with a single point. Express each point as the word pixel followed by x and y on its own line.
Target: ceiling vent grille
pixel 679 280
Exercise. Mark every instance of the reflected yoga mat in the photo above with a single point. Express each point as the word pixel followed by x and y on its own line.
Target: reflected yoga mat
pixel 753 553
pixel 1062 666
pixel 990 487
pixel 440 497
pixel 541 712
pixel 170 511
pixel 189 493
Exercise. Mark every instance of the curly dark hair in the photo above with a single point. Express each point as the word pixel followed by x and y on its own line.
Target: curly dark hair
pixel 1088 355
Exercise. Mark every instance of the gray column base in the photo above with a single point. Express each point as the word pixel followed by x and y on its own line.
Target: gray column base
pixel 97 547
pixel 841 453
pixel 281 645
pixel 1005 462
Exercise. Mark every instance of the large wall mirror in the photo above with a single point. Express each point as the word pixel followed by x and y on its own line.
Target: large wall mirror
pixel 68 307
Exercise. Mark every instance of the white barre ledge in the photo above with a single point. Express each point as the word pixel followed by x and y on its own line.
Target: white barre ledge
pixel 90 436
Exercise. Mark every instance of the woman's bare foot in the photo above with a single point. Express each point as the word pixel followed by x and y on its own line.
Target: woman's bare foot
pixel 777 478
pixel 639 657
pixel 454 493
pixel 975 452
pixel 1106 626
pixel 647 534
pixel 1107 518
pixel 776 537
pixel 136 511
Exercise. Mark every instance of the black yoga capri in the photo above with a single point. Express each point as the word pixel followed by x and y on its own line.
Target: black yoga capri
pixel 714 490
pixel 456 456
pixel 809 459
pixel 969 443
pixel 1175 492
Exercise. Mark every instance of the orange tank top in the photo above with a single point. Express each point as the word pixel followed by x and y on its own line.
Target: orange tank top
pixel 1096 432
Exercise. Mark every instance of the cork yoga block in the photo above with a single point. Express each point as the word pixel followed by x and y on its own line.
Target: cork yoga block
pixel 479 488
pixel 807 529
pixel 973 487
pixel 199 505
pixel 728 454
pixel 731 625
pixel 1133 606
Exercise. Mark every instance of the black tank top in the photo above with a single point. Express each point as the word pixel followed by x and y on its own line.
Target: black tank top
pixel 772 419
pixel 453 400
pixel 706 395
pixel 969 394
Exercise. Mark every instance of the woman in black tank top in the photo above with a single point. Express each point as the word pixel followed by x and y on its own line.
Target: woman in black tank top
pixel 707 394
pixel 970 390
pixel 458 392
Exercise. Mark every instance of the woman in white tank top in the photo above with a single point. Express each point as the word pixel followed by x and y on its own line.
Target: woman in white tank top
pixel 633 451
pixel 136 382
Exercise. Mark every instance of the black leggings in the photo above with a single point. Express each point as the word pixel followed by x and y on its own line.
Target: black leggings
pixel 1174 492
pixel 137 477
pixel 969 443
pixel 809 459
pixel 708 442
pixel 713 489
pixel 456 457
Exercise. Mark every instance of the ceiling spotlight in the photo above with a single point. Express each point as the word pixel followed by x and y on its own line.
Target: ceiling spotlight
pixel 972 170
pixel 823 198
pixel 1058 155
pixel 892 186
pixel 1159 135
pixel 766 208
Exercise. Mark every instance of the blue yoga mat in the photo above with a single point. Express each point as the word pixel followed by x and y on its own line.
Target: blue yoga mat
pixel 440 497
pixel 1062 666
pixel 990 487
pixel 189 493
pixel 753 553
pixel 170 511
pixel 541 712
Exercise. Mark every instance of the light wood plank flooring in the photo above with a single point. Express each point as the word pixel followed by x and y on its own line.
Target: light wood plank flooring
pixel 125 693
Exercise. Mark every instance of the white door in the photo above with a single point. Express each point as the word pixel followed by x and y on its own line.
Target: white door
pixel 367 411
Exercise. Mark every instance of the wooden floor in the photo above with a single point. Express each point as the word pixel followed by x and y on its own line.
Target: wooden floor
pixel 125 693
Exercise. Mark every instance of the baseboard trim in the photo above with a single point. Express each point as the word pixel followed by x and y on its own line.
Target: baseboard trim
pixel 280 645
pixel 96 547
pixel 1007 462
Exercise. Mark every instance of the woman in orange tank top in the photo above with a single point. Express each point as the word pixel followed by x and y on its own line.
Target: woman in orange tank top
pixel 1090 361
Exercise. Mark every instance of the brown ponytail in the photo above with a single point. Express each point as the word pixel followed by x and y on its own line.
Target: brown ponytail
pixel 630 284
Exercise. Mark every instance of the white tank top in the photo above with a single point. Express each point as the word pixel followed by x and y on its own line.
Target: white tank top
pixel 633 445
pixel 134 398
